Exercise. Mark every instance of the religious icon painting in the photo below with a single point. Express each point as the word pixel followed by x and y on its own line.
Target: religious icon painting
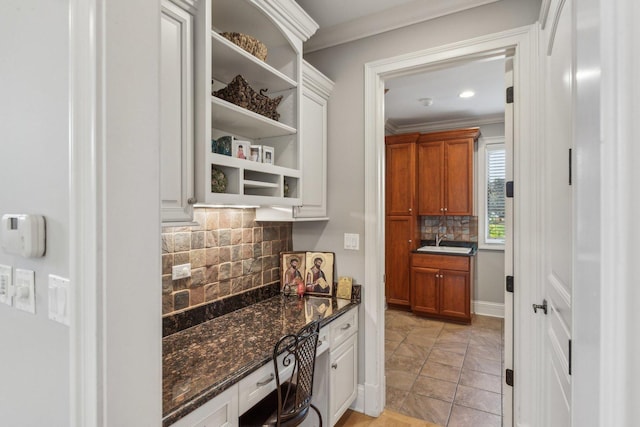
pixel 318 276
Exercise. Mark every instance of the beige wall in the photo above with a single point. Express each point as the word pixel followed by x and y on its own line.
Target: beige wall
pixel 345 66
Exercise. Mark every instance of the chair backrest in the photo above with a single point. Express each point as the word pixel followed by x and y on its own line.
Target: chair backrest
pixel 294 394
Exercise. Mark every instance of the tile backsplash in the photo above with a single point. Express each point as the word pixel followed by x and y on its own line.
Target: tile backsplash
pixel 229 252
pixel 460 228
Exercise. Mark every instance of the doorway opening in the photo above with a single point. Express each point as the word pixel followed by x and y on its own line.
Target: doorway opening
pixel 436 370
pixel 519 43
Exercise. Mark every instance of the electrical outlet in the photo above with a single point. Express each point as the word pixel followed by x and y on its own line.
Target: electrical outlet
pixel 6 285
pixel 181 271
pixel 25 291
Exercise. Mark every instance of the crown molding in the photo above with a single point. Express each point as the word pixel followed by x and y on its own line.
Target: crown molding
pixel 393 129
pixel 296 19
pixel 391 19
pixel 315 80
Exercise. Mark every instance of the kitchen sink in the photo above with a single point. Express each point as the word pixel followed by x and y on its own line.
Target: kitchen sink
pixel 445 249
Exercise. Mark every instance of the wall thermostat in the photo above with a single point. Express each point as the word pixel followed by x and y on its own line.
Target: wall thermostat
pixel 23 234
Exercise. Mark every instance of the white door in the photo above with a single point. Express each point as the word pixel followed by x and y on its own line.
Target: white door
pixel 557 53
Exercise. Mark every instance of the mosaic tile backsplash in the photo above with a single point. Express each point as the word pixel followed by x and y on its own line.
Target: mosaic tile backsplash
pixel 456 228
pixel 229 252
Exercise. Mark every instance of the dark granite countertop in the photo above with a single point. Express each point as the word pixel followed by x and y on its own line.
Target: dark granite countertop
pixel 202 361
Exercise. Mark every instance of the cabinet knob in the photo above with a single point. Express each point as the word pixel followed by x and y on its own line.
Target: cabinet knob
pixel 410 210
pixel 192 200
pixel 445 209
pixel 441 209
pixel 334 366
pixel 410 241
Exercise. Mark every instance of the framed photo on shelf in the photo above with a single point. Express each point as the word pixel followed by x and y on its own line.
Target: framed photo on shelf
pixel 318 276
pixel 255 153
pixel 267 154
pixel 241 149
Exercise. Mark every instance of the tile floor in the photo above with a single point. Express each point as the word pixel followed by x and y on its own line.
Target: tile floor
pixel 444 373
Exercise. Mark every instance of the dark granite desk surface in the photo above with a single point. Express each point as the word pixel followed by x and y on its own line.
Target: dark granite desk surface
pixel 201 362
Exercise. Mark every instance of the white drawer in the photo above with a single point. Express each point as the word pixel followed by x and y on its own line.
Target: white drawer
pixel 260 383
pixel 323 340
pixel 221 411
pixel 343 327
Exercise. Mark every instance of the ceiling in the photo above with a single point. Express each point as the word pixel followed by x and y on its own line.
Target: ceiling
pixel 342 21
pixel 404 102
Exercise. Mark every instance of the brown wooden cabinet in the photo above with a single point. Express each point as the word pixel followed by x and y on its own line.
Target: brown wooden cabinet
pixel 441 286
pixel 401 174
pixel 402 233
pixel 399 244
pixel 445 172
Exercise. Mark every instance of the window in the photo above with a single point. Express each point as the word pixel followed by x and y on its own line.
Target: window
pixel 491 215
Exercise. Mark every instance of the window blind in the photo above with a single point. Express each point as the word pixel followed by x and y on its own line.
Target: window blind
pixel 495 193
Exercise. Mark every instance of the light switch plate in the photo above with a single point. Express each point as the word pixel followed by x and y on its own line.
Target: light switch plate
pixel 6 285
pixel 59 294
pixel 352 241
pixel 25 290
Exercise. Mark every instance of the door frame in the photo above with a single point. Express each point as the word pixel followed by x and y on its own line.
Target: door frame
pixel 115 334
pixel 527 171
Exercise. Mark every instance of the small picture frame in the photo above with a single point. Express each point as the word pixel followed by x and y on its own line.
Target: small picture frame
pixel 241 149
pixel 345 286
pixel 267 155
pixel 255 153
pixel 318 276
pixel 292 266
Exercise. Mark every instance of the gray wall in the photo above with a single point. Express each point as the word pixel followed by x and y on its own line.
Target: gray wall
pixel 489 286
pixel 34 351
pixel 345 66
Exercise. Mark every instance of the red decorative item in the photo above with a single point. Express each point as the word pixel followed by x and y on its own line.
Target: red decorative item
pixel 301 288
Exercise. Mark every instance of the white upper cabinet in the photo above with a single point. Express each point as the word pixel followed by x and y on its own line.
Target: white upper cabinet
pixel 316 89
pixel 176 113
pixel 282 26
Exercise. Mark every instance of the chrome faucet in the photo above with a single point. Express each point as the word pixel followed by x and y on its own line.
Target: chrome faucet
pixel 439 238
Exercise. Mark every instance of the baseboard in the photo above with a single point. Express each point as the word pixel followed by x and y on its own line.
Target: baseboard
pixel 358 404
pixel 372 404
pixel 485 308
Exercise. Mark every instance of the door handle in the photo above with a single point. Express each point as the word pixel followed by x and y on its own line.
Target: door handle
pixel 542 306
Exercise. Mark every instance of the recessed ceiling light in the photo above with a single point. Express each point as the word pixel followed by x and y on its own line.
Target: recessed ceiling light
pixel 466 94
pixel 426 101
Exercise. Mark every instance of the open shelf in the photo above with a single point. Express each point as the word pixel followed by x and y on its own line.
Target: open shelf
pixel 231 118
pixel 248 165
pixel 259 184
pixel 229 60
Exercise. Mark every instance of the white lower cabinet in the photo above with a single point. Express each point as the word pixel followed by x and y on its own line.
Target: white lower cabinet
pixel 221 411
pixel 343 381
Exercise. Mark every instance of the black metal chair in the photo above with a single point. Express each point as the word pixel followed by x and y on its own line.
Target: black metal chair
pixel 288 405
